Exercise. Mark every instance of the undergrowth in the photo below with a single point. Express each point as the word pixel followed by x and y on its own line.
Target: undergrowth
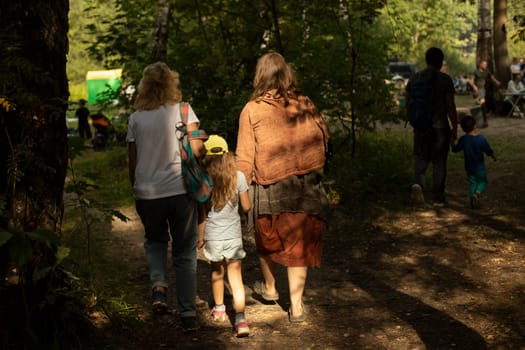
pixel 382 165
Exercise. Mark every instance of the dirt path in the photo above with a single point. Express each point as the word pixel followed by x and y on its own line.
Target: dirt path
pixel 393 277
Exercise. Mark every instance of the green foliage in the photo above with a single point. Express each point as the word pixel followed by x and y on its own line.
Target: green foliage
pixel 34 287
pixel 516 29
pixel 103 177
pixel 382 165
pixel 338 48
pixel 215 46
pixel 411 27
pixel 83 15
pixel 5 236
pixel 78 90
pixel 92 212
pixel 98 184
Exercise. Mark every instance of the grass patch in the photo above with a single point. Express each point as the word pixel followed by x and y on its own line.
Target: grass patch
pixel 89 225
pixel 382 164
pixel 108 171
pixel 86 230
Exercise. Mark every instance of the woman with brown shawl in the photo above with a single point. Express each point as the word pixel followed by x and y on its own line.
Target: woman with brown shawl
pixel 281 149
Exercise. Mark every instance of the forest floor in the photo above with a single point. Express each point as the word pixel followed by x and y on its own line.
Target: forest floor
pixel 392 276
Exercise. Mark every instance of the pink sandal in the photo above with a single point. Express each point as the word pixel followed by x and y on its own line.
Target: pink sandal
pixel 218 315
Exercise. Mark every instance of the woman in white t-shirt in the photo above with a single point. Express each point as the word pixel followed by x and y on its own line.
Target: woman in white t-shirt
pixel 220 235
pixel 166 211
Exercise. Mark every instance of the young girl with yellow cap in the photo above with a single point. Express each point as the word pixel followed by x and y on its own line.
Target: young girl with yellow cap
pixel 220 234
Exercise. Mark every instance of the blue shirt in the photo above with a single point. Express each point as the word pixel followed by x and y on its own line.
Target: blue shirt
pixel 473 147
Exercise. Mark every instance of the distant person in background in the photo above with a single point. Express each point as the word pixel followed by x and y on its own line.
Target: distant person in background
pixel 480 81
pixel 522 69
pixel 515 67
pixel 82 114
pixel 515 88
pixel 101 124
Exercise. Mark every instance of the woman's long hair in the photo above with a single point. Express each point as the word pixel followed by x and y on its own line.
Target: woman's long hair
pixel 273 73
pixel 159 86
pixel 223 172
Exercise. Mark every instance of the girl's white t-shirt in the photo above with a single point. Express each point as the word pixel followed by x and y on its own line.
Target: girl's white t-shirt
pixel 226 223
pixel 158 168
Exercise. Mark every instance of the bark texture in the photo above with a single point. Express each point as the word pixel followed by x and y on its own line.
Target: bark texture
pixel 160 39
pixel 484 42
pixel 33 146
pixel 501 53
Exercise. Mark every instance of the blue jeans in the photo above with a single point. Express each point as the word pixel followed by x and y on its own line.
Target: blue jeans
pixel 432 146
pixel 176 218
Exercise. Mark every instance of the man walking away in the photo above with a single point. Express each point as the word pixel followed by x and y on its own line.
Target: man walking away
pixel 432 143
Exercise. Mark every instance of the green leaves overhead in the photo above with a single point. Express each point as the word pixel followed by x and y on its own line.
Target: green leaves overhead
pixel 414 26
pixel 338 48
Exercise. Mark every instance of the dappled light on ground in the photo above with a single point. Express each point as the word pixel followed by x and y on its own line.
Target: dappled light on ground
pixel 392 276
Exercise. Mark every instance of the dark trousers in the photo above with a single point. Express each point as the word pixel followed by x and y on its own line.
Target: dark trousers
pixel 432 146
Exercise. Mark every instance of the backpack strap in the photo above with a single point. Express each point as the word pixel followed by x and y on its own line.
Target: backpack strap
pixel 194 134
pixel 197 135
pixel 184 112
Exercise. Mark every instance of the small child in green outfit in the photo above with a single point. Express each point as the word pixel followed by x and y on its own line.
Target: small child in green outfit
pixel 474 146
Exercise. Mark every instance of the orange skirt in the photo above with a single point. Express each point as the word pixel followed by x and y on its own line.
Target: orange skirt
pixel 290 239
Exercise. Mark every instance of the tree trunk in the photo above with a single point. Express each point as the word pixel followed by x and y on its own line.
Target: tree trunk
pixel 276 28
pixel 33 164
pixel 160 38
pixel 33 141
pixel 501 53
pixel 484 44
pixel 35 34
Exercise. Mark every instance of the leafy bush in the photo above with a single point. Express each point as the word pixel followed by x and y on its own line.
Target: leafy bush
pixel 382 163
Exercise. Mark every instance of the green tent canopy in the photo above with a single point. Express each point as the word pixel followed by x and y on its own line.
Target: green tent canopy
pixel 99 82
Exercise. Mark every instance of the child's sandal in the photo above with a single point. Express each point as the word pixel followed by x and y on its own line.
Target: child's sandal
pixel 242 329
pixel 218 315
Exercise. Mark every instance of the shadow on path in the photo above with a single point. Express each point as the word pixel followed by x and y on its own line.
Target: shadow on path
pixel 435 328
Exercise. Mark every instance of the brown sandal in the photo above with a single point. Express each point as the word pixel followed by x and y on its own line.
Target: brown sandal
pixel 299 318
pixel 259 288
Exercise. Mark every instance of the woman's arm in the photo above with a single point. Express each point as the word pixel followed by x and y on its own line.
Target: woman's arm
pixel 245 151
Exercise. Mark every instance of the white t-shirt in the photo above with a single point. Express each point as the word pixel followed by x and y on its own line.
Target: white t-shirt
pixel 226 223
pixel 158 170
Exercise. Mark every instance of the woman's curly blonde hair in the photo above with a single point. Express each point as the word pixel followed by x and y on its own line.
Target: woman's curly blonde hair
pixel 159 86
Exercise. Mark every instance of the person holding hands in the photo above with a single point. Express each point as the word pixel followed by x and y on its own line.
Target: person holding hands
pixel 474 146
pixel 220 234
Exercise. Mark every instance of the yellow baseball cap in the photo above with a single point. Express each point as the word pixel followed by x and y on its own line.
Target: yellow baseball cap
pixel 215 145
